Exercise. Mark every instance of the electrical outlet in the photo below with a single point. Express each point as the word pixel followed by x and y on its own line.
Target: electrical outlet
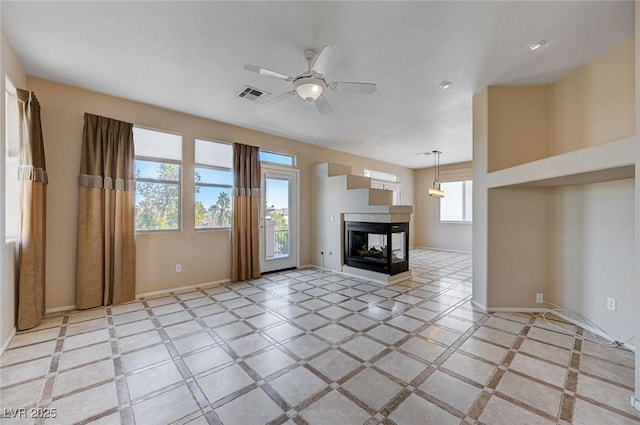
pixel 611 304
pixel 539 298
pixel 178 268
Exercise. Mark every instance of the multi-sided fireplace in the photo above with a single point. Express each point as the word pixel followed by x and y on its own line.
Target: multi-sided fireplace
pixel 379 247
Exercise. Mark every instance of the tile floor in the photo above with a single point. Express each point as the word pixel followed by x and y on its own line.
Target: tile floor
pixel 313 347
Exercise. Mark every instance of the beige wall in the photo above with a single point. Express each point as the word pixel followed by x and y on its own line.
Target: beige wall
pixel 518 125
pixel 9 68
pixel 595 103
pixel 429 231
pixel 591 253
pixel 204 255
pixel 518 257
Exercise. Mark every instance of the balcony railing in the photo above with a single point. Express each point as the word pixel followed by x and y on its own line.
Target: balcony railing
pixel 280 242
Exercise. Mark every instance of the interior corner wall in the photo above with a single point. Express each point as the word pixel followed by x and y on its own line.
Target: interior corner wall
pixel 480 241
pixel 429 231
pixel 518 254
pixel 518 125
pixel 204 255
pixel 592 253
pixel 10 68
pixel 595 103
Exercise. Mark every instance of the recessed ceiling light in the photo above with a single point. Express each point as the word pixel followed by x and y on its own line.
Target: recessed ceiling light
pixel 445 84
pixel 536 45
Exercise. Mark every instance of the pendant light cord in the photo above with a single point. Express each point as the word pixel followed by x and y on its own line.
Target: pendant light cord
pixel 436 160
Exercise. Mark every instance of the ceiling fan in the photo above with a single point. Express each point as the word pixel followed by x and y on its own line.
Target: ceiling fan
pixel 311 85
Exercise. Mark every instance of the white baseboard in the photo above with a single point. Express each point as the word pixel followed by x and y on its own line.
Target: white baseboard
pixel 516 310
pixel 182 288
pixel 151 294
pixel 480 306
pixel 59 309
pixel 311 265
pixel 324 269
pixel 6 342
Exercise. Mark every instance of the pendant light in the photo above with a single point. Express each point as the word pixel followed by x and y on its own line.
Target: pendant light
pixel 435 191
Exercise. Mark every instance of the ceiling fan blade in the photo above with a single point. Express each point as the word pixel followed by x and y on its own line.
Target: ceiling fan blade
pixel 321 60
pixel 346 87
pixel 267 72
pixel 322 105
pixel 280 97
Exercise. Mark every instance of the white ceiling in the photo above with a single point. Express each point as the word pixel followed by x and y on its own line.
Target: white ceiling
pixel 188 56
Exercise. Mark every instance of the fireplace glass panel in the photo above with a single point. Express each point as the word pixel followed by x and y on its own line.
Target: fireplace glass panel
pixel 398 252
pixel 369 246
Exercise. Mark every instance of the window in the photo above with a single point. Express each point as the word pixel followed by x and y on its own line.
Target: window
pixel 277 158
pixel 387 181
pixel 379 175
pixel 213 183
pixel 158 179
pixel 394 187
pixel 456 206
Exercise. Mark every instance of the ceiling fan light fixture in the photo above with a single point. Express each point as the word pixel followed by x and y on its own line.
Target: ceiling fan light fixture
pixel 309 88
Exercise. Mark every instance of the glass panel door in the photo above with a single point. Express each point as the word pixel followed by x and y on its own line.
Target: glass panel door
pixel 278 236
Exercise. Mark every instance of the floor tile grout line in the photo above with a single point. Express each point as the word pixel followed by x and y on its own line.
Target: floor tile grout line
pixel 187 377
pixel 483 399
pixel 452 283
pixel 52 372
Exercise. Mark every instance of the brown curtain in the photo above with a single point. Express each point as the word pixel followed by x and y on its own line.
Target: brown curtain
pixel 245 243
pixel 32 175
pixel 106 234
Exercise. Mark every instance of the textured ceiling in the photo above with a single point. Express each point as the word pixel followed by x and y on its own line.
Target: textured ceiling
pixel 188 56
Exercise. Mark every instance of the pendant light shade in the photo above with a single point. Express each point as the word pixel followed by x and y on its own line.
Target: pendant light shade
pixel 436 191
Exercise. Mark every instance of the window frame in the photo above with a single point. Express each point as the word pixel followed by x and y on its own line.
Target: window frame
pixel 465 219
pixel 294 158
pixel 177 183
pixel 380 176
pixel 197 165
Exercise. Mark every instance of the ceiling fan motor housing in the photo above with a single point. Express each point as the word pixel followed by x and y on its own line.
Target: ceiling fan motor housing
pixel 309 87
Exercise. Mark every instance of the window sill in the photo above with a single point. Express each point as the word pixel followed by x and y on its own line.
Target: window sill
pixel 456 222
pixel 153 232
